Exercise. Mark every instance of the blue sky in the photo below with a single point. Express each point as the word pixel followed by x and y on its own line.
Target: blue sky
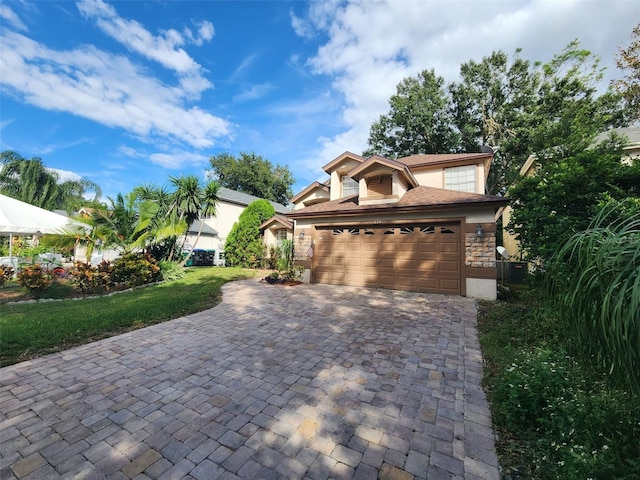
pixel 130 92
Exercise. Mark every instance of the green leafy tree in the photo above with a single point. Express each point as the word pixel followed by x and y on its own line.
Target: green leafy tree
pixel 563 196
pixel 492 106
pixel 244 246
pixel 628 60
pixel 28 180
pixel 252 174
pixel 419 120
pixel 511 105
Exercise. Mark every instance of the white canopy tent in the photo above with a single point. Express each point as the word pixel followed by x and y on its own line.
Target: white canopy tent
pixel 20 218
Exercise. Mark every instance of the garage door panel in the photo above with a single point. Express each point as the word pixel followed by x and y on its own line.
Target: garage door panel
pixel 449 266
pixel 428 247
pixel 406 280
pixel 450 247
pixel 426 284
pixel 353 262
pixel 451 285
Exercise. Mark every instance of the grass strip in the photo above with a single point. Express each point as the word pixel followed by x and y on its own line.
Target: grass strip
pixel 30 330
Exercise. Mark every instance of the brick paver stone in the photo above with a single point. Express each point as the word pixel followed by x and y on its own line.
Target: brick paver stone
pixel 311 381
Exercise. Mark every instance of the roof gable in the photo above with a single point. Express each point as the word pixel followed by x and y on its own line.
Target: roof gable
pixel 277 220
pixel 308 190
pixel 376 162
pixel 346 156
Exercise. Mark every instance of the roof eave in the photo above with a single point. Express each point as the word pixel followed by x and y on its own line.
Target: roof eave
pixel 399 209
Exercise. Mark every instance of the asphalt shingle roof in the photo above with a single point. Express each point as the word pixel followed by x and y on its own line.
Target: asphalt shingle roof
pixel 245 199
pixel 419 197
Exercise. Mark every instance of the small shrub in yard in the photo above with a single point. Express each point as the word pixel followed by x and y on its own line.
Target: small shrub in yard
pixel 35 279
pixel 89 279
pixel 6 272
pixel 571 426
pixel 135 269
pixel 170 270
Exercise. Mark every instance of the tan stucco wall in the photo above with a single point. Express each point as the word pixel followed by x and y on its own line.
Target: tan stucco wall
pixel 430 178
pixel 316 194
pixel 509 241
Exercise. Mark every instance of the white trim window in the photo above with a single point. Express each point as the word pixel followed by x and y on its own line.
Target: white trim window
pixel 349 186
pixel 461 179
pixel 281 234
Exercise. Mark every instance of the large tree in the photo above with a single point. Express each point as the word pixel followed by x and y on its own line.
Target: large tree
pixel 252 174
pixel 419 120
pixel 492 106
pixel 572 173
pixel 628 60
pixel 512 105
pixel 28 180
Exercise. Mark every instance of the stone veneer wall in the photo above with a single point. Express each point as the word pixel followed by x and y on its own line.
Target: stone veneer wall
pixel 480 251
pixel 301 247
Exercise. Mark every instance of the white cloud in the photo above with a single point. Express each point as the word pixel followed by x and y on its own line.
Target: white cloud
pixel 6 122
pixel 10 16
pixel 178 160
pixel 163 48
pixel 301 26
pixel 254 92
pixel 106 88
pixel 244 66
pixel 65 175
pixel 372 46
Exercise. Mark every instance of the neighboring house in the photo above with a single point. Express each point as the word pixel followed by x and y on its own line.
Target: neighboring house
pixel 630 151
pixel 230 205
pixel 418 223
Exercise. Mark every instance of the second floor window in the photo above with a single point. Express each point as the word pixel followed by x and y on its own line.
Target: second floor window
pixel 349 186
pixel 461 179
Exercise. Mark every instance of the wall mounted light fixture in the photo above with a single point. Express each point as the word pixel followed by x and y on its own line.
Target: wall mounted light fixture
pixel 479 231
pixel 301 236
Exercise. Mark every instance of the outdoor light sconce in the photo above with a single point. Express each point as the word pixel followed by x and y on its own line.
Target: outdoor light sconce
pixel 479 231
pixel 301 236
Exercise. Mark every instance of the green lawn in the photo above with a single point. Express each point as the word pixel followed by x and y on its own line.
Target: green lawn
pixel 29 330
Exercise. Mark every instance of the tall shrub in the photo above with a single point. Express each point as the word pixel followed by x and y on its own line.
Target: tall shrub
pixel 595 278
pixel 244 246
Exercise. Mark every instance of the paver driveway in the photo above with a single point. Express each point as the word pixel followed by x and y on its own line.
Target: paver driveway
pixel 312 381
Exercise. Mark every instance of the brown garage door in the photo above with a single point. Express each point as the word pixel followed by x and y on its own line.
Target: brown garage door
pixel 421 257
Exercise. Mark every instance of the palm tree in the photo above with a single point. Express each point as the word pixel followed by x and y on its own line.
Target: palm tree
pixel 30 181
pixel 190 201
pixel 208 206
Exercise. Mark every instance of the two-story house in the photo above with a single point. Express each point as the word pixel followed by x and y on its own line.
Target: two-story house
pixel 418 223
